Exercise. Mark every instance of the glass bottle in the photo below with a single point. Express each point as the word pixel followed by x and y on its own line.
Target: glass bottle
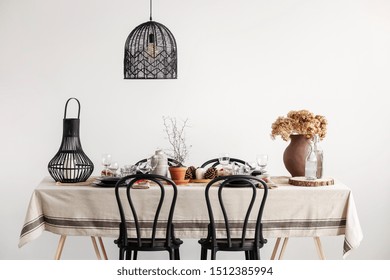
pixel 320 156
pixel 311 163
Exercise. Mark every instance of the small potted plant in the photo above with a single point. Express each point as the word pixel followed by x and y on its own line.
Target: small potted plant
pixel 179 149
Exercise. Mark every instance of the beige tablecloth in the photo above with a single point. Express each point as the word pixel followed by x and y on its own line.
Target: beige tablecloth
pixel 290 211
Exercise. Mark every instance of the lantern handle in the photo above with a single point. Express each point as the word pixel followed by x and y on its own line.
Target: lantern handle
pixel 66 107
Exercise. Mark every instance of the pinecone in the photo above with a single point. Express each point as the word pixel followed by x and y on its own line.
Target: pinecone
pixel 190 173
pixel 211 173
pixel 193 171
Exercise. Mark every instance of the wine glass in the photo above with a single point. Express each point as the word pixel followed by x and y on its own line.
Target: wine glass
pixel 106 162
pixel 224 159
pixel 262 161
pixel 113 168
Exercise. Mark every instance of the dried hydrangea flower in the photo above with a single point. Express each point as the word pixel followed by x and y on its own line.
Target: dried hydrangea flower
pixel 299 122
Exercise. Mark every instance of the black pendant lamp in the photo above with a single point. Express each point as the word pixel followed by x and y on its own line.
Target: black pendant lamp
pixel 150 52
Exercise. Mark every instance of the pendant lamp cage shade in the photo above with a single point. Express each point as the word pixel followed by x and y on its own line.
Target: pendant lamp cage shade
pixel 150 52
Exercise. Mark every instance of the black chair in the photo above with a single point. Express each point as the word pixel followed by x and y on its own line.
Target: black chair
pixel 126 244
pixel 250 245
pixel 214 162
pixel 171 162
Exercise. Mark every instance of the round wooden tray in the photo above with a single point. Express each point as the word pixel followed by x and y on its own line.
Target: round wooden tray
pixel 200 180
pixel 303 182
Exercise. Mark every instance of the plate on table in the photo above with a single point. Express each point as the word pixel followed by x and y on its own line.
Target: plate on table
pixel 100 184
pixel 109 180
pixel 106 182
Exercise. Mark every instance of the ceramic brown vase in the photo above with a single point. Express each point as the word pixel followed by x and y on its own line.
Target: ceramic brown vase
pixel 294 157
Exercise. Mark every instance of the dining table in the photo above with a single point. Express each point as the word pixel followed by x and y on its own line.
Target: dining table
pixel 84 209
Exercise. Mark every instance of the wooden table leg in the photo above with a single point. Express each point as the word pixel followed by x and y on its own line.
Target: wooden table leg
pixel 60 246
pixel 276 247
pixel 317 242
pixel 102 248
pixel 283 248
pixel 97 252
pixel 320 251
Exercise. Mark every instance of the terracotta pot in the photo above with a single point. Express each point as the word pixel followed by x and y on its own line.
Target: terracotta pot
pixel 177 173
pixel 294 157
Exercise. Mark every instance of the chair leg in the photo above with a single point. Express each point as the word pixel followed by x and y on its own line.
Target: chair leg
pixel 203 254
pixel 255 254
pixel 177 254
pixel 213 254
pixel 135 255
pixel 171 254
pixel 250 255
pixel 247 255
pixel 128 254
pixel 121 254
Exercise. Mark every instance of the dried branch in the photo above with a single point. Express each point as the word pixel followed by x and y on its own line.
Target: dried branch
pixel 176 138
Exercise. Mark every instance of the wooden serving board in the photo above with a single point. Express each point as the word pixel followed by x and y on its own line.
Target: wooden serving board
pixel 200 180
pixel 303 182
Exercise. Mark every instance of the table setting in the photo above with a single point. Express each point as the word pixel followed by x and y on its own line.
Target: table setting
pixel 291 209
pixel 158 164
pixel 303 157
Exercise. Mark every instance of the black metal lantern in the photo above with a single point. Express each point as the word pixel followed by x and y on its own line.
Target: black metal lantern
pixel 150 52
pixel 70 164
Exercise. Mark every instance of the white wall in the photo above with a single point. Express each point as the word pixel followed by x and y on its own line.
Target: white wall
pixel 241 65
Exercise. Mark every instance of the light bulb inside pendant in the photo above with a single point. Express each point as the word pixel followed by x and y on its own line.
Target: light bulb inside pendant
pixel 152 49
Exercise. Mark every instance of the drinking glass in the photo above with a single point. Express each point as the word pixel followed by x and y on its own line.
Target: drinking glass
pixel 262 161
pixel 113 168
pixel 128 169
pixel 235 168
pixel 106 162
pixel 224 159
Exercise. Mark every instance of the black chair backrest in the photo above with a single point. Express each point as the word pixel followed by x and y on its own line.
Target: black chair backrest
pixel 215 162
pixel 127 183
pixel 171 162
pixel 237 181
